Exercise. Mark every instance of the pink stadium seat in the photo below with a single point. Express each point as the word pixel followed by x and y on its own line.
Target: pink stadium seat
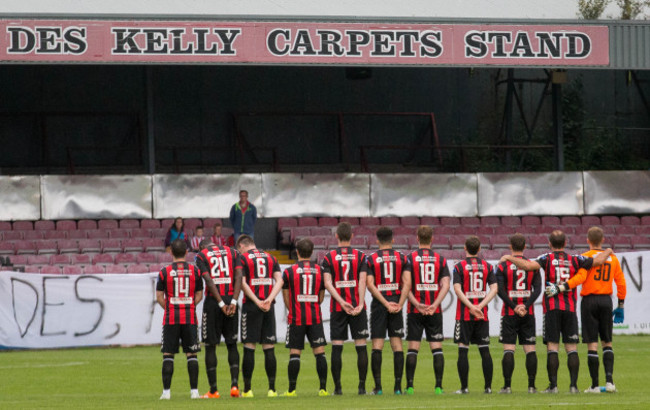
pixel 491 254
pixel 44 225
pixel 141 233
pixel 358 242
pixel 307 221
pixel 320 231
pixel 352 221
pixel 23 226
pixel 590 220
pixel 530 220
pixel 369 221
pixel 150 224
pixel 538 241
pixel 103 259
pixel 625 229
pixel 78 235
pixel 551 221
pixel 80 259
pixel 300 232
pixel 331 242
pixel 111 245
pixel 24 247
pixel 389 221
pixel 115 269
pixel 72 270
pixel 89 245
pixel 66 225
pixel 642 230
pixel 209 223
pixel 505 230
pixel 50 270
pixel 159 233
pixel 18 259
pixel 129 223
pixel 153 245
pixel 107 224
pixel 60 260
pixel 445 253
pixel 33 235
pixel 190 257
pixel 609 220
pixel 318 256
pixel 470 221
pixel 571 220
pixel 485 230
pixel 364 230
pixel 510 221
pixel 581 230
pixel 630 220
pixel 5 226
pixel 328 221
pixel 457 241
pixel 444 230
pixel 534 253
pixel 12 236
pixel 38 260
pixel 85 224
pixel 401 242
pixel 404 231
pixel 528 229
pixel 429 220
pixel 449 221
pixel 146 258
pixel 641 242
pixel 46 247
pixel 56 235
pixel 490 221
pixel 500 242
pixel 410 221
pixel 645 220
pixel 32 269
pixel 320 242
pixel 192 223
pixel 132 245
pixel 164 258
pixel 125 258
pixel 156 267
pixel 621 243
pixel 287 223
pixel 97 233
pixel 465 230
pixel 68 246
pixel 440 242
pixel 118 233
pixel 94 270
pixel 166 223
pixel 7 248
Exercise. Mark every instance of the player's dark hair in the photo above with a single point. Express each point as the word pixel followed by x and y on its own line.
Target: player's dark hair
pixel 557 239
pixel 174 224
pixel 472 244
pixel 204 244
pixel 244 240
pixel 179 248
pixel 595 236
pixel 243 190
pixel 518 242
pixel 305 248
pixel 344 231
pixel 384 235
pixel 425 235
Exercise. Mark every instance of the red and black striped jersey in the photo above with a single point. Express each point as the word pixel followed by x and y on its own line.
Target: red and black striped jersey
pixel 387 266
pixel 518 286
pixel 428 269
pixel 475 277
pixel 179 281
pixel 220 262
pixel 345 265
pixel 258 268
pixel 304 280
pixel 560 267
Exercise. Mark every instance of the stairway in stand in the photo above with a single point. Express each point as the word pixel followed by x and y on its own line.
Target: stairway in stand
pixel 282 256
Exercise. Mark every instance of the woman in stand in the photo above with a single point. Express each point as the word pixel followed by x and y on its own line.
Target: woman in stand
pixel 176 231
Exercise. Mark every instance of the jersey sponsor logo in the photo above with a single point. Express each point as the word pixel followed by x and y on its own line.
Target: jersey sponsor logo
pixel 307 298
pixel 476 295
pixel 346 284
pixel 251 256
pixel 556 262
pixel 426 286
pixel 220 252
pixel 387 286
pixel 519 293
pixel 299 270
pixel 425 258
pixel 219 281
pixel 175 300
pixel 181 272
pixel 263 281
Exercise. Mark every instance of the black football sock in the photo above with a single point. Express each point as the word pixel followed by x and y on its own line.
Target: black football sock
pixel 411 363
pixel 167 371
pixel 321 369
pixel 193 371
pixel 593 364
pixel 271 366
pixel 531 367
pixel 294 369
pixel 211 366
pixel 608 364
pixel 398 369
pixel 508 366
pixel 463 366
pixel 438 365
pixel 573 363
pixel 337 351
pixel 233 361
pixel 362 365
pixel 376 368
pixel 488 369
pixel 248 365
pixel 552 365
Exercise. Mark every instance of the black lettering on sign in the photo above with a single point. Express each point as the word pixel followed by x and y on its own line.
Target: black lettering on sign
pixel 475 44
pixel 21 330
pixel 47 40
pixel 87 300
pixel 46 304
pixel 628 272
pixel 272 42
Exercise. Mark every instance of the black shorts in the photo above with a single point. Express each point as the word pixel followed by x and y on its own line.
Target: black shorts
pixel 188 335
pixel 216 323
pixel 431 325
pixel 339 322
pixel 257 326
pixel 596 315
pixel 560 321
pixel 476 332
pixel 515 326
pixel 296 336
pixel 382 321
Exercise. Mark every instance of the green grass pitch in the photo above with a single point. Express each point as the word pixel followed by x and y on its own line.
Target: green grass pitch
pixel 129 377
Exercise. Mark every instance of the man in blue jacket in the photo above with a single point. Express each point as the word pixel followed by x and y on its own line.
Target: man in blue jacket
pixel 243 215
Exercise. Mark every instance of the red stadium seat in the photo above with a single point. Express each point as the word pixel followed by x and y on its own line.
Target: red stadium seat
pixel 642 230
pixel 107 224
pixel 60 260
pixel 645 220
pixel 331 242
pixel 38 260
pixel 307 221
pixel 318 256
pixel 327 221
pixel 44 225
pixel 287 223
pixel 19 260
pixel 94 270
pixel 358 242
pixel 190 257
pixel 320 242
pixel 364 230
pixel 150 224
pixel 449 221
pixel 50 270
pixel 141 233
pixel 156 267
pixel 103 259
pixel 56 235
pixel 129 224
pixel 23 226
pixel 485 230
pixel 166 223
pixel 86 224
pixel 33 235
pixel 7 248
pixel 118 233
pixel 24 247
pixel 401 242
pixel 191 224
pixel 165 258
pixel 12 236
pixel 389 221
pixel 571 220
pixel 5 226
pixel 630 220
pixel 115 269
pixel 538 241
pixel 552 221
pixel 444 230
pixel 369 221
pixel 429 220
pixel 32 269
pixel 470 221
pixel 621 243
pixel 625 229
pixel 320 231
pixel 97 233
pixel 90 245
pixel 350 220
pixel 80 259
pixel 46 247
pixel 510 221
pixel 152 245
pixel 72 270
pixel 609 220
pixel 440 242
pixel 457 241
pixel 300 232
pixel 534 253
pixel 490 221
pixel 68 246
pixel 581 230
pixel 208 224
pixel 641 242
pixel 404 230
pixel 465 230
pixel 410 221
pixel 111 245
pixel 66 225
pixel 125 258
pixel 146 258
pixel 590 220
pixel 491 255
pixel 528 229
pixel 530 220
pixel 500 242
pixel 505 230
pixel 445 253
pixel 132 245
pixel 77 235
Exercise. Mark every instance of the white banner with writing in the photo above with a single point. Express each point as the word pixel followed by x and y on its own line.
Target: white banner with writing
pixel 48 311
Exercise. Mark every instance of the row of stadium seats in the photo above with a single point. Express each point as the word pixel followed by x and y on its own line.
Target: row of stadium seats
pixel 104 224
pixel 96 259
pixel 91 269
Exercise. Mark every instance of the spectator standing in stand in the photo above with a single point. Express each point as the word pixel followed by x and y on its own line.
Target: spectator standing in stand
pixel 243 216
pixel 176 231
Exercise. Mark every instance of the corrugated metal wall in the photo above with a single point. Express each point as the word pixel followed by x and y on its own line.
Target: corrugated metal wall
pixel 629 46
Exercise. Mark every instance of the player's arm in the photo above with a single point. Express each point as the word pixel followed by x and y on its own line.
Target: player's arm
pixel 332 290
pixel 602 257
pixel 406 287
pixel 537 289
pixel 502 288
pixel 370 282
pixel 160 298
pixel 494 289
pixel 458 289
pixel 279 283
pixel 198 296
pixel 321 296
pixel 521 263
pixel 238 284
pixel 160 289
pixel 285 296
pixel 444 289
pixel 419 306
pixel 621 291
pixel 212 288
pixel 362 287
pixel 578 279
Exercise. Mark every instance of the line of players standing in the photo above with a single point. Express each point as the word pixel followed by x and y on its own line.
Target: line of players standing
pixel 421 277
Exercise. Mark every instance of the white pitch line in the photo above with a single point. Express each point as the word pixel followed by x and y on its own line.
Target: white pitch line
pixel 618 403
pixel 37 366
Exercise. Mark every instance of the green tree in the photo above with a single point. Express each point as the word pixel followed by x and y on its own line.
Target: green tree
pixel 592 9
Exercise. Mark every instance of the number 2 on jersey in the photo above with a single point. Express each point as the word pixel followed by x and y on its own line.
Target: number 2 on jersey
pixel 521 277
